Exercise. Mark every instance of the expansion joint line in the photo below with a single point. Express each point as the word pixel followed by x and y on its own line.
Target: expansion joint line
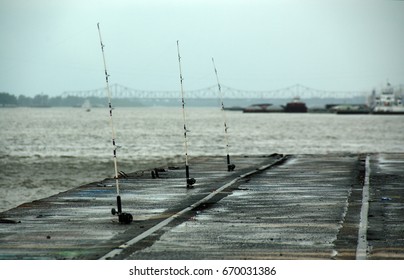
pixel 361 250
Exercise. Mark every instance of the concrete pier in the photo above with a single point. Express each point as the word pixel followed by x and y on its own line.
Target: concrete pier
pixel 335 206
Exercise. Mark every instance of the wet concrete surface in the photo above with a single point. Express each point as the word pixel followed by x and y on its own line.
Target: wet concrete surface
pixel 385 234
pixel 270 207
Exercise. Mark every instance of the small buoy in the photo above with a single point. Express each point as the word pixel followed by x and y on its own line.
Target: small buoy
pixel 113 211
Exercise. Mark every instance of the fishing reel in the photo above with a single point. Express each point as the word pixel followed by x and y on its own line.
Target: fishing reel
pixel 124 218
pixel 190 183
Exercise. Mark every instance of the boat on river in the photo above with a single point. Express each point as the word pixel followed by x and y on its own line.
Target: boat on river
pixel 388 101
pixel 86 105
pixel 296 106
pixel 263 108
pixel 350 109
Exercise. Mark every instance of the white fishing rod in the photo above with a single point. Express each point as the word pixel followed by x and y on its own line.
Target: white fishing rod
pixel 230 167
pixel 190 181
pixel 123 217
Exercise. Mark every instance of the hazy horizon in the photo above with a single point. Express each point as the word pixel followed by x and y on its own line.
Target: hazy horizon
pixel 49 47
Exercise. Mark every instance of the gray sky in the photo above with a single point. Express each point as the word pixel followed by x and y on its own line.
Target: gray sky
pixel 50 46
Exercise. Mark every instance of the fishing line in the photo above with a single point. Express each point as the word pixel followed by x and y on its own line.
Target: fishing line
pixel 123 217
pixel 230 167
pixel 190 181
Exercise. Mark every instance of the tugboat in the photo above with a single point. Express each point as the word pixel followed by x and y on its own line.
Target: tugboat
pixel 388 102
pixel 296 106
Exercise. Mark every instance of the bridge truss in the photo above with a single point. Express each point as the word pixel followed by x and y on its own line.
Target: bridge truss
pixel 297 90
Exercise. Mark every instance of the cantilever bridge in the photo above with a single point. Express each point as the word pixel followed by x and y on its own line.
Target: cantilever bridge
pixel 120 91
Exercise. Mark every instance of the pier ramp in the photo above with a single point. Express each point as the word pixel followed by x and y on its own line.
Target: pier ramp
pixel 331 206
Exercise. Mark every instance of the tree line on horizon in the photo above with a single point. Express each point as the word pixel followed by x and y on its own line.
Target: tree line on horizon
pixel 42 100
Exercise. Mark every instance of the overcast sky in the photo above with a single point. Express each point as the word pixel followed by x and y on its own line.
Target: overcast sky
pixel 50 46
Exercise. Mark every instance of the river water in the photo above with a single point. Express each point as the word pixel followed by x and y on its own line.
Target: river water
pixel 44 151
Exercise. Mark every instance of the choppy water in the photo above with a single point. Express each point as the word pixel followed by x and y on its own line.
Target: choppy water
pixel 44 151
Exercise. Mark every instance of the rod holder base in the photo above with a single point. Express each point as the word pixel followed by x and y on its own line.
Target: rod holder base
pixel 125 218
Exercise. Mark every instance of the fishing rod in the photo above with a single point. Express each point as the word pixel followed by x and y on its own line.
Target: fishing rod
pixel 190 181
pixel 230 167
pixel 124 218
